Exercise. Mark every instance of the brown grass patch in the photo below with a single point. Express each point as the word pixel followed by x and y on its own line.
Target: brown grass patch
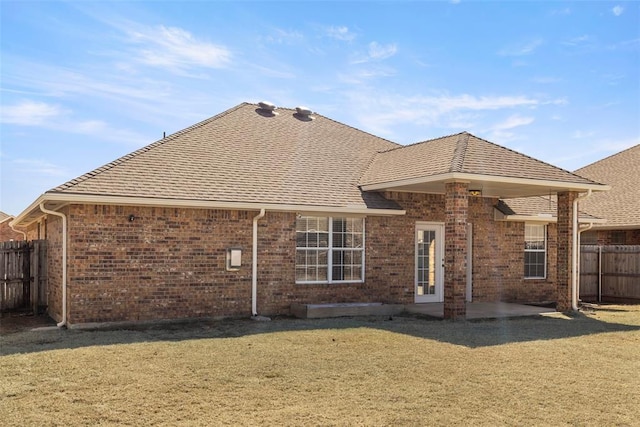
pixel 356 371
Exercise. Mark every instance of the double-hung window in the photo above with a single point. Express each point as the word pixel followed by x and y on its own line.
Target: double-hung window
pixel 535 251
pixel 329 250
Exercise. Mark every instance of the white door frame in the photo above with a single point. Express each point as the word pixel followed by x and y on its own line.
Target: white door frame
pixel 438 227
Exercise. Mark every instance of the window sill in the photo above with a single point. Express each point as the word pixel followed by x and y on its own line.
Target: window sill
pixel 341 282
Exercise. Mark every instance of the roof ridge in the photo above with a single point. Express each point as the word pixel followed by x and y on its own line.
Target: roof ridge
pixel 424 142
pixel 141 150
pixel 460 152
pixel 608 157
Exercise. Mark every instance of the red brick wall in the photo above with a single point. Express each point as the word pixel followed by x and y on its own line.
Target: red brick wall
pixel 7 233
pixel 498 258
pixel 166 263
pixel 170 263
pixel 390 246
pixel 498 252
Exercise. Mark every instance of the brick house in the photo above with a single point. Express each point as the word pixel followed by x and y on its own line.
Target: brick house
pixel 621 205
pixel 259 208
pixel 6 232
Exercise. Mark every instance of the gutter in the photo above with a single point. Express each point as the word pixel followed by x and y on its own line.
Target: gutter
pixel 574 251
pixel 254 268
pixel 65 198
pixel 63 322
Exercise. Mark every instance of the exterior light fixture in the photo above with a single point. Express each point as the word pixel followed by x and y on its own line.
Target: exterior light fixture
pixel 475 193
pixel 132 217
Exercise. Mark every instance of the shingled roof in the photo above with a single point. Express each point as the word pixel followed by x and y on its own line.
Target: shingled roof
pixel 461 153
pixel 251 157
pixel 621 205
pixel 247 154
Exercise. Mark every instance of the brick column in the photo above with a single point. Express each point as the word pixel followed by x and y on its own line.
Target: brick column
pixel 565 249
pixel 455 250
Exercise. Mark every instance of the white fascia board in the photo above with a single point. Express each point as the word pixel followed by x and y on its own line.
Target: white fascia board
pixel 195 204
pixel 35 206
pixel 457 176
pixel 616 227
pixel 499 216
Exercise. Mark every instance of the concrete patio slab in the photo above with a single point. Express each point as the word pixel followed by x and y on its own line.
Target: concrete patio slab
pixel 481 310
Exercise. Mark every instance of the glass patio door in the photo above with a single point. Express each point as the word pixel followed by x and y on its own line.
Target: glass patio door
pixel 429 274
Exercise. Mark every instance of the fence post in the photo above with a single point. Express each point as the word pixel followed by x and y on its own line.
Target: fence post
pixel 599 273
pixel 34 276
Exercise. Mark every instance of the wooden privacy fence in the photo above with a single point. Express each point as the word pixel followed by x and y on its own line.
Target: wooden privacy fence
pixel 23 267
pixel 610 273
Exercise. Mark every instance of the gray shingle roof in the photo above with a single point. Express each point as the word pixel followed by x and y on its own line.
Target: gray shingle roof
pixel 464 153
pixel 245 155
pixel 620 205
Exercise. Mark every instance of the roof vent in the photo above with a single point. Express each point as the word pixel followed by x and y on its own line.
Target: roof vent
pixel 266 109
pixel 303 113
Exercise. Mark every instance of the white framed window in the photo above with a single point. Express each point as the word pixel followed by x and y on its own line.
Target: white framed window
pixel 535 251
pixel 329 250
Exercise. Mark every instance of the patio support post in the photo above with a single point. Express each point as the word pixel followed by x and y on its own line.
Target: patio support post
pixel 565 249
pixel 455 250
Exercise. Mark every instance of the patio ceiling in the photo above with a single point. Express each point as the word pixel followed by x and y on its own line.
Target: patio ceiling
pixel 489 186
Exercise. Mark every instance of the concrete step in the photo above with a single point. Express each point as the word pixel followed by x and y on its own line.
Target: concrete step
pixel 316 311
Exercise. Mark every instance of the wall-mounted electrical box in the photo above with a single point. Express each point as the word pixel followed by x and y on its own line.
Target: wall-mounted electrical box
pixel 234 259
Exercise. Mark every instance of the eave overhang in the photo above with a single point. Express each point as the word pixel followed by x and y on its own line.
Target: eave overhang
pixel 489 185
pixel 542 218
pixel 55 201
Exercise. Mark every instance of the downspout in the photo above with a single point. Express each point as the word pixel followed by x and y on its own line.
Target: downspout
pixel 574 252
pixel 24 235
pixel 63 322
pixel 254 266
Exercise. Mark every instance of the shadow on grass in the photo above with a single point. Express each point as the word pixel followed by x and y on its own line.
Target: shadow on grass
pixel 471 334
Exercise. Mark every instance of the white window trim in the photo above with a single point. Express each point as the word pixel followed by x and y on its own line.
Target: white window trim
pixel 330 250
pixel 545 251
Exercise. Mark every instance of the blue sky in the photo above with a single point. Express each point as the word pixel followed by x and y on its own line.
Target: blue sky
pixel 83 83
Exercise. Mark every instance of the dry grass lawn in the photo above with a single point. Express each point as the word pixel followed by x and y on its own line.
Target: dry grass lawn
pixel 583 370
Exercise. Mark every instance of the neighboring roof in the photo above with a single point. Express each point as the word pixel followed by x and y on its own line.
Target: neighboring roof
pixel 246 155
pixel 621 205
pixel 4 217
pixel 460 155
pixel 540 208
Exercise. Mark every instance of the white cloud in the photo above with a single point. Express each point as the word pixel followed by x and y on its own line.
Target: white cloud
pixel 39 166
pixel 281 36
pixel 340 33
pixel 546 80
pixel 30 113
pixel 521 49
pixel 379 51
pixel 54 117
pixel 176 49
pixel 617 10
pixel 578 40
pixel 502 131
pixel 513 122
pixel 578 134
pixel 381 112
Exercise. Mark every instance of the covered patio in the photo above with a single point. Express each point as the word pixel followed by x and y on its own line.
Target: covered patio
pixel 470 167
pixel 482 310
